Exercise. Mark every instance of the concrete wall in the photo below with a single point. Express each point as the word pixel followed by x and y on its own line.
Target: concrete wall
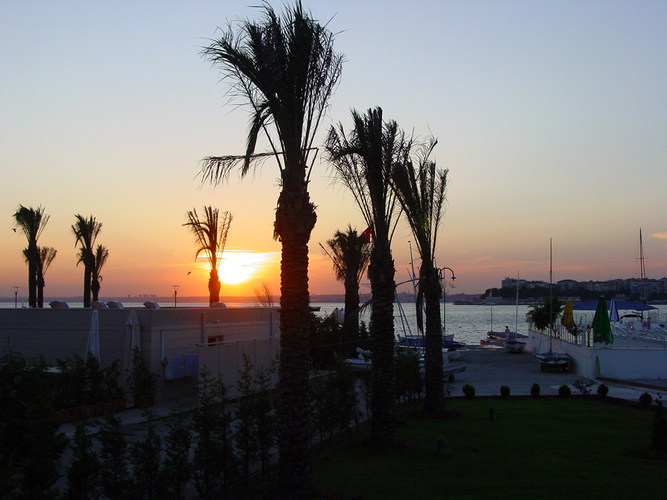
pixel 166 336
pixel 625 359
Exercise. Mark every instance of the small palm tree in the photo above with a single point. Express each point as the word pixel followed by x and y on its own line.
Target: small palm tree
pixel 86 232
pixel 286 69
pixel 420 190
pixel 363 161
pixel 211 236
pixel 101 256
pixel 46 256
pixel 32 222
pixel 350 254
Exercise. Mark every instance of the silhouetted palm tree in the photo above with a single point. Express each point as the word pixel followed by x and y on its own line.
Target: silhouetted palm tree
pixel 211 236
pixel 363 162
pixel 86 232
pixel 286 69
pixel 32 222
pixel 421 192
pixel 101 256
pixel 350 254
pixel 46 256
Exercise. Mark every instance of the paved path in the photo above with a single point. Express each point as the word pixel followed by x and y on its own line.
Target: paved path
pixel 489 367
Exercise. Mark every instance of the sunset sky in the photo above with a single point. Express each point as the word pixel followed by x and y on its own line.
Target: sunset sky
pixel 551 118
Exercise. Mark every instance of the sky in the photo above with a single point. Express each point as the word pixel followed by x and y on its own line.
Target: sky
pixel 550 116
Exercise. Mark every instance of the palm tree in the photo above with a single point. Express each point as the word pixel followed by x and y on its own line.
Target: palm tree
pixel 211 236
pixel 420 190
pixel 86 232
pixel 350 254
pixel 101 256
pixel 46 256
pixel 32 222
pixel 363 162
pixel 286 69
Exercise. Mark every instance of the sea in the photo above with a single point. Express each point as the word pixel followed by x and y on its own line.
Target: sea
pixel 468 323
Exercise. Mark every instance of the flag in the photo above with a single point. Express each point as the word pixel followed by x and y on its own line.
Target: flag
pixel 367 235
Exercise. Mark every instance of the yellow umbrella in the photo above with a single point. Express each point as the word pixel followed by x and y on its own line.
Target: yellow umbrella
pixel 567 320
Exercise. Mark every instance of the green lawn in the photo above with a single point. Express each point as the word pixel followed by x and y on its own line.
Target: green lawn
pixel 533 448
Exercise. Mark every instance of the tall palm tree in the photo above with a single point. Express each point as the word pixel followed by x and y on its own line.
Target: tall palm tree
pixel 101 256
pixel 86 232
pixel 350 254
pixel 420 190
pixel 46 256
pixel 211 236
pixel 286 69
pixel 32 222
pixel 363 161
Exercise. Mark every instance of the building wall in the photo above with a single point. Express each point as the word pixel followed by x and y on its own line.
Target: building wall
pixel 169 338
pixel 625 359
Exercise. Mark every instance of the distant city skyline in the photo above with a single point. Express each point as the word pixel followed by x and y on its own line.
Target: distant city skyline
pixel 550 118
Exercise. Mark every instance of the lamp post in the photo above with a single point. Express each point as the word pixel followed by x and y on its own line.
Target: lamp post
pixel 452 283
pixel 175 293
pixel 16 297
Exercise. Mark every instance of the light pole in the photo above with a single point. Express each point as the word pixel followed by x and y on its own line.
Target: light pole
pixel 452 283
pixel 175 293
pixel 16 297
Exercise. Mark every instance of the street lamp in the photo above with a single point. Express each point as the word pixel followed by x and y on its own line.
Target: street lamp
pixel 16 297
pixel 175 293
pixel 452 283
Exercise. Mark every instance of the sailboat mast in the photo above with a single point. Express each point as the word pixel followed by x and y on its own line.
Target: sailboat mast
pixel 642 267
pixel 551 279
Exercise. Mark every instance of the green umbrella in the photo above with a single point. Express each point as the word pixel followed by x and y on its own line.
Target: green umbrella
pixel 601 324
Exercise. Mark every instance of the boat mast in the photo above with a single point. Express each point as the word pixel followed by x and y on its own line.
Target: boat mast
pixel 551 277
pixel 642 268
pixel 516 306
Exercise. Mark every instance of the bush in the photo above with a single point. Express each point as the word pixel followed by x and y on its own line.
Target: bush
pixel 645 400
pixel 469 391
pixel 659 437
pixel 535 390
pixel 505 391
pixel 602 390
pixel 564 391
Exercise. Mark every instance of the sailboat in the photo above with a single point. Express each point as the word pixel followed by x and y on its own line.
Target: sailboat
pixel 552 359
pixel 512 344
pixel 491 334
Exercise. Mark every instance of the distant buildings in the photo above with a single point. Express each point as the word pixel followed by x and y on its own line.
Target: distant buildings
pixel 649 289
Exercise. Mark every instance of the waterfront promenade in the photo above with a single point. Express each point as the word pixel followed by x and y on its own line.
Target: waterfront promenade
pixel 487 368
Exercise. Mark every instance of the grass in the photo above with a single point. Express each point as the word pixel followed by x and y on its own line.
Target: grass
pixel 532 448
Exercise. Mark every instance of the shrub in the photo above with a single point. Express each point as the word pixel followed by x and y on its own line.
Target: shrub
pixel 535 390
pixel 659 437
pixel 469 391
pixel 645 400
pixel 505 391
pixel 564 391
pixel 584 386
pixel 602 390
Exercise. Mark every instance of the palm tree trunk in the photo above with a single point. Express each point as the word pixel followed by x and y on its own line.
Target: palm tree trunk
pixel 295 219
pixel 87 277
pixel 351 322
pixel 434 401
pixel 383 425
pixel 32 276
pixel 40 291
pixel 213 287
pixel 95 288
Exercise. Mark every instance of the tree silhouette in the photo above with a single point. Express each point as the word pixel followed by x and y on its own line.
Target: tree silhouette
pixel 211 236
pixel 285 68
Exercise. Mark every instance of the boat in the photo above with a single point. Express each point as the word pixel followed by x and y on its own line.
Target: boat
pixel 552 359
pixel 363 362
pixel 511 343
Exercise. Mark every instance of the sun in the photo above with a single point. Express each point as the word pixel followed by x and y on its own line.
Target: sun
pixel 237 266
